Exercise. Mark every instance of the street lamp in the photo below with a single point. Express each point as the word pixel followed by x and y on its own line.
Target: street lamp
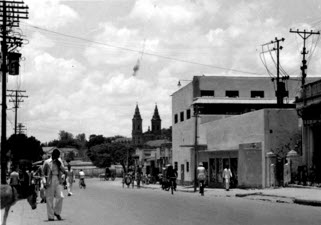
pixel 179 82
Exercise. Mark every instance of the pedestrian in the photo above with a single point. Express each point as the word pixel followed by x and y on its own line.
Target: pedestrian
pixel 70 178
pixel 107 173
pixel 42 186
pixel 201 176
pixel 82 178
pixel 14 179
pixel 53 169
pixel 227 174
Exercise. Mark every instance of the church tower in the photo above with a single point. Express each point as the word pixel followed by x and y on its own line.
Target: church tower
pixel 137 130
pixel 156 123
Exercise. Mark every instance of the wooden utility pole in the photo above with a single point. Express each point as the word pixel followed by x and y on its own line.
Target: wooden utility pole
pixel 280 92
pixel 16 98
pixel 10 14
pixel 196 112
pixel 21 128
pixel 305 35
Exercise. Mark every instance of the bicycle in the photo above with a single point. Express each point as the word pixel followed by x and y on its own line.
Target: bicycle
pixel 82 183
pixel 202 185
pixel 172 185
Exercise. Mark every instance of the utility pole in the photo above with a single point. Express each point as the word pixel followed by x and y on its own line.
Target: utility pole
pixel 196 112
pixel 304 35
pixel 16 99
pixel 21 128
pixel 280 85
pixel 10 14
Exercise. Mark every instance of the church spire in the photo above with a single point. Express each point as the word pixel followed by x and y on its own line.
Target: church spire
pixel 156 114
pixel 137 128
pixel 156 122
pixel 137 113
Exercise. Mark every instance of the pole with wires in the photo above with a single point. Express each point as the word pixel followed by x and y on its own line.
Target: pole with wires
pixel 16 97
pixel 10 14
pixel 280 92
pixel 304 35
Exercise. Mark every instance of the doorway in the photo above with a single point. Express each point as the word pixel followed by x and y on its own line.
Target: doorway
pixel 182 174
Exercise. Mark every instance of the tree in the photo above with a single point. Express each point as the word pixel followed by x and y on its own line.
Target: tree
pixel 23 147
pixel 104 155
pixel 96 140
pixel 70 156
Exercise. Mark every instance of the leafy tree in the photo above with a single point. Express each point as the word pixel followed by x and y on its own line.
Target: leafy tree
pixel 70 156
pixel 65 136
pixel 96 140
pixel 111 153
pixel 23 147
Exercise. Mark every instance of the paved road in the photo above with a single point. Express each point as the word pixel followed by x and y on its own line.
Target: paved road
pixel 104 202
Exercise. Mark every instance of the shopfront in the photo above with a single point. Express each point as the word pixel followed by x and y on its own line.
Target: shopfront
pixel 216 161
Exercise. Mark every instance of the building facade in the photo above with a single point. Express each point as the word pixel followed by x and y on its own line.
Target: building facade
pixel 212 98
pixel 308 105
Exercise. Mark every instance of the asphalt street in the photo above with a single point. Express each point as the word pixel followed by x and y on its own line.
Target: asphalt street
pixel 104 202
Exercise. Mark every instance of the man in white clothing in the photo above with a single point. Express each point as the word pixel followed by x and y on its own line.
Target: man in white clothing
pixel 227 174
pixel 53 169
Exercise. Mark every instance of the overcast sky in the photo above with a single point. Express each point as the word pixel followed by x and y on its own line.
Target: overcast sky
pixel 78 64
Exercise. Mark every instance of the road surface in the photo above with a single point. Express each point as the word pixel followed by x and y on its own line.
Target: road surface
pixel 107 203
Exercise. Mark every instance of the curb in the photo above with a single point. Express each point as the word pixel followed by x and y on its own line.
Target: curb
pixel 248 194
pixel 307 202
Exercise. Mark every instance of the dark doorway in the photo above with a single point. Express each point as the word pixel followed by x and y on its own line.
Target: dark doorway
pixel 182 174
pixel 279 171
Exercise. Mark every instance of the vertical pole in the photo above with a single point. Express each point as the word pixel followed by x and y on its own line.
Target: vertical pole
pixel 279 96
pixel 4 95
pixel 195 149
pixel 16 113
pixel 127 160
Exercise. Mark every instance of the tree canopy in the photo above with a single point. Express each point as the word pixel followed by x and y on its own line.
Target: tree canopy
pixel 104 155
pixel 23 147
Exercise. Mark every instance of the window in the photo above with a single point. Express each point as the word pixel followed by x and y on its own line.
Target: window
pixel 232 94
pixel 187 166
pixel 188 114
pixel 257 94
pixel 176 118
pixel 176 166
pixel 207 93
pixel 182 116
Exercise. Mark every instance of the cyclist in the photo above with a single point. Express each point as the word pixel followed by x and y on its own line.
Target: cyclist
pixel 171 175
pixel 82 178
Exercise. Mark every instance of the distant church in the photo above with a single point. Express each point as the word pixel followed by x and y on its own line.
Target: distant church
pixel 138 137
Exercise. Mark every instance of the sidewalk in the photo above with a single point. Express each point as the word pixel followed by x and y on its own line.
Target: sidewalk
pixel 294 194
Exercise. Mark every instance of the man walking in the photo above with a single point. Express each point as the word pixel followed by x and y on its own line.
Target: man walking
pixel 70 177
pixel 201 176
pixel 53 169
pixel 227 174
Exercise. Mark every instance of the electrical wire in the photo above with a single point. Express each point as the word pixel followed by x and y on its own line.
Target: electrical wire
pixel 145 53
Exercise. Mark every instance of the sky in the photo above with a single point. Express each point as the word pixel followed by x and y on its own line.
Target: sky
pixel 79 55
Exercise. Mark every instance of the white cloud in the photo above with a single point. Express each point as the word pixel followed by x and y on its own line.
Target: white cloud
pixel 50 13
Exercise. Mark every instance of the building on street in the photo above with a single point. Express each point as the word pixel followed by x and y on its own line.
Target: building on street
pixel 216 114
pixel 308 105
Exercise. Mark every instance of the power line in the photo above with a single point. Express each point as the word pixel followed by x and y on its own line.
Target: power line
pixel 145 53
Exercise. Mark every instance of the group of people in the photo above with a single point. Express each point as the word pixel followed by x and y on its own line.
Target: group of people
pixel 202 177
pixel 49 180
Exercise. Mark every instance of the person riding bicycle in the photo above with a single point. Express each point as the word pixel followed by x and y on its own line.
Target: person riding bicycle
pixel 82 177
pixel 171 175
